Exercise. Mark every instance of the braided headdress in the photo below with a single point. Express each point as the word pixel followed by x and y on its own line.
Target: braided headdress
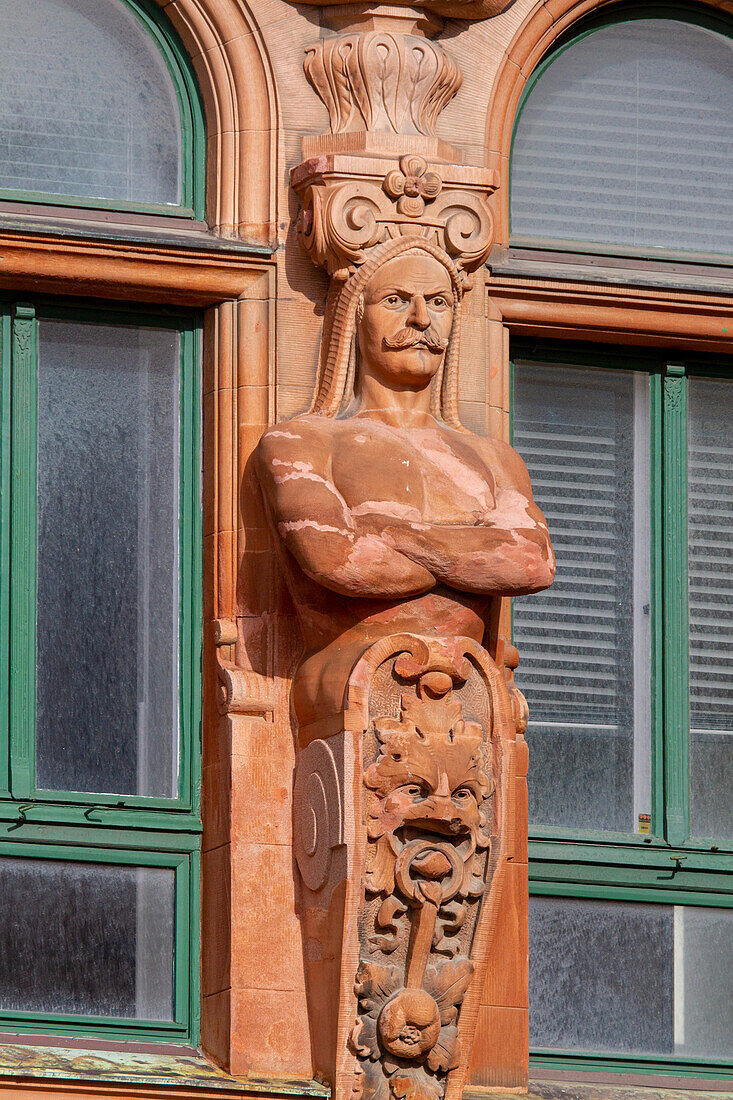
pixel 335 380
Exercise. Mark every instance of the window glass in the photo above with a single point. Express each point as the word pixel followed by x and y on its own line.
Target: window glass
pixel 86 938
pixel 627 139
pixel 630 977
pixel 107 612
pixel 87 105
pixel 710 566
pixel 585 644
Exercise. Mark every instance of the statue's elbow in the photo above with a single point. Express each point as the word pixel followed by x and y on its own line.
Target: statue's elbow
pixel 543 571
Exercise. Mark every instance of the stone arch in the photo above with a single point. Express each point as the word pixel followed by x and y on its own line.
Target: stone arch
pixel 533 38
pixel 238 92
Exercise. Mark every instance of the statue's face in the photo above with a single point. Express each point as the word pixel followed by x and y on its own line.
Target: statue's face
pixel 406 321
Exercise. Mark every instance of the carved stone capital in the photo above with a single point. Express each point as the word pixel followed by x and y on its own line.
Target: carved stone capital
pixel 350 204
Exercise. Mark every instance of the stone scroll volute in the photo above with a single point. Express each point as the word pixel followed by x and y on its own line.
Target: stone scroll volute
pixel 399 532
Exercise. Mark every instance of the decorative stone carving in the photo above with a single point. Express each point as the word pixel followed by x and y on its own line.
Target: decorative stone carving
pixel 349 205
pixel 398 83
pixel 398 532
pixel 430 819
pixel 457 9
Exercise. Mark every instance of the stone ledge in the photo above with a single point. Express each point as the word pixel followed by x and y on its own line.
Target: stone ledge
pixel 178 1067
pixel 569 1090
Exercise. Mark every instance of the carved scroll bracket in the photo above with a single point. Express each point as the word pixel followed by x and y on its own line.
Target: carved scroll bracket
pixel 350 204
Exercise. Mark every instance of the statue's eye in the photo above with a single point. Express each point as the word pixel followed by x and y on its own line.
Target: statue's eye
pixel 439 302
pixel 416 790
pixel 393 300
pixel 462 794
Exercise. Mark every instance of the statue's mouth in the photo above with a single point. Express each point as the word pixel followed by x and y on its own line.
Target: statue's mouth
pixel 461 840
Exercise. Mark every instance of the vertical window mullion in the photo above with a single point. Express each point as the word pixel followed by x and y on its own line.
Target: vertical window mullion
pixel 23 548
pixel 5 354
pixel 676 651
pixel 657 608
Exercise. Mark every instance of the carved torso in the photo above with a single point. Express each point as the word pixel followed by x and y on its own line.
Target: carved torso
pixel 428 475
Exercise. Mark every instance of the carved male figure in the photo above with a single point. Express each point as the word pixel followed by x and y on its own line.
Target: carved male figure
pixel 379 494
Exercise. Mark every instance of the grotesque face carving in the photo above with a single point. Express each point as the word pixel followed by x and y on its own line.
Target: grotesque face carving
pixel 406 317
pixel 428 781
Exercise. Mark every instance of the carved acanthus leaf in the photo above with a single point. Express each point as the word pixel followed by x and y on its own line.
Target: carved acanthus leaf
pixel 382 81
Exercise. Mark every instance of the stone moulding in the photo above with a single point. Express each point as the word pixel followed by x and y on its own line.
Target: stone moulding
pixel 351 204
pixel 403 822
pixel 456 9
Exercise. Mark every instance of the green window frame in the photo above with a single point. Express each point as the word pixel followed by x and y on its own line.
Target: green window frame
pixel 64 825
pixel 667 866
pixel 620 12
pixel 193 131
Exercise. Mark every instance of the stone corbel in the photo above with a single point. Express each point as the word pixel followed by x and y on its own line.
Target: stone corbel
pixel 240 691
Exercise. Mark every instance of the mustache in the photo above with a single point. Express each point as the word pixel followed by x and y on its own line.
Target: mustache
pixel 412 337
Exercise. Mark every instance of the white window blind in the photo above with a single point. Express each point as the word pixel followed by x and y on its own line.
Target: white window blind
pixel 585 643
pixel 627 139
pixel 710 533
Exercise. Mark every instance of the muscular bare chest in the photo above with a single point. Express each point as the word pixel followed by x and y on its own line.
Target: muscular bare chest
pixel 422 472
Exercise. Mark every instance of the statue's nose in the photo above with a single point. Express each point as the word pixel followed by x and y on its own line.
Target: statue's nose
pixel 419 316
pixel 439 808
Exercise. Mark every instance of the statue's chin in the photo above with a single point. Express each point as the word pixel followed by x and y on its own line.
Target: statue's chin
pixel 415 367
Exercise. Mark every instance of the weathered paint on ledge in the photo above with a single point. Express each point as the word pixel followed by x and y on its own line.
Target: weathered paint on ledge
pixel 85 1065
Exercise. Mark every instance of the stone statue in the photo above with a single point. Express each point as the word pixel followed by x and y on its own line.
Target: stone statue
pixel 399 531
pixel 379 494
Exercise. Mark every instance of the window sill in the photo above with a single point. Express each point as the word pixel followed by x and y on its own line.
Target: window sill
pixel 573 1090
pixel 134 1064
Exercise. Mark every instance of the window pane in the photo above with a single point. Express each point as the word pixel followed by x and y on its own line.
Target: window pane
pixel 87 105
pixel 585 644
pixel 627 138
pixel 86 938
pixel 710 524
pixel 631 978
pixel 107 620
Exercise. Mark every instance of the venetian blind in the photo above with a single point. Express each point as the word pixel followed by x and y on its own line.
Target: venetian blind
pixel 627 139
pixel 710 534
pixel 87 104
pixel 576 429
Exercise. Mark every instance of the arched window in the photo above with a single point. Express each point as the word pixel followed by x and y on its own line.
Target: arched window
pixel 617 282
pixel 625 136
pixel 100 522
pixel 97 107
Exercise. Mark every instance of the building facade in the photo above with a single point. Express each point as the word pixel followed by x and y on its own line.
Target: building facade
pixel 186 189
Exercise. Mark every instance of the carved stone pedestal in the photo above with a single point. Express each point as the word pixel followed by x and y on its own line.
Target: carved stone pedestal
pixel 402 821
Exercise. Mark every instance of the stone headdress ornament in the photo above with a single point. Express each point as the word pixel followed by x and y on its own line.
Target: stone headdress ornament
pixel 335 381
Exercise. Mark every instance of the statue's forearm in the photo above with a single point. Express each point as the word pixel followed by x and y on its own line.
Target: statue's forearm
pixel 478 559
pixel 355 564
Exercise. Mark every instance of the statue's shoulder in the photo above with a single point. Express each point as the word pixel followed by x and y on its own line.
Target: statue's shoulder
pixel 506 465
pixel 303 437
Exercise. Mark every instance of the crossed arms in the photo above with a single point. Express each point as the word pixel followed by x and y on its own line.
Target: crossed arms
pixel 506 551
